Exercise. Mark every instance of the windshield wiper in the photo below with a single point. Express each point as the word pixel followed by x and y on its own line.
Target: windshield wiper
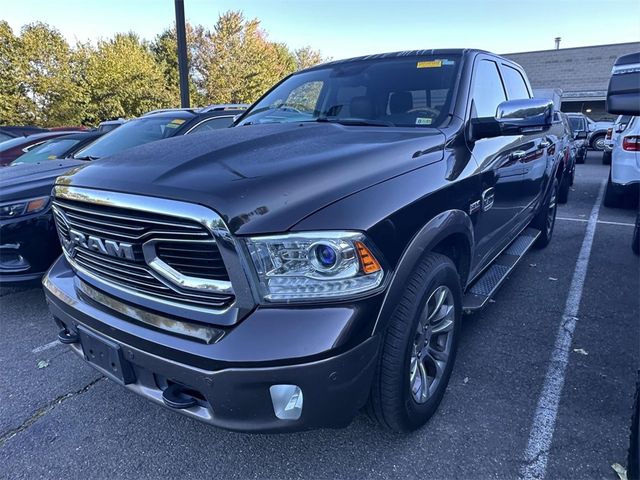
pixel 355 121
pixel 86 158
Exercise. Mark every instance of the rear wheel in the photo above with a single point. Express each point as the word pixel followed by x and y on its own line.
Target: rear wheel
pixel 612 195
pixel 606 158
pixel 563 192
pixel 636 237
pixel 419 347
pixel 545 220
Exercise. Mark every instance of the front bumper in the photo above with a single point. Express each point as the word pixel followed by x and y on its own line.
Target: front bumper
pixel 28 247
pixel 232 391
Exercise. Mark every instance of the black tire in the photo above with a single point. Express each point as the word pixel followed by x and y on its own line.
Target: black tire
pixel 595 140
pixel 612 195
pixel 581 158
pixel 633 456
pixel 563 191
pixel 545 219
pixel 392 401
pixel 635 245
pixel 606 158
pixel 573 175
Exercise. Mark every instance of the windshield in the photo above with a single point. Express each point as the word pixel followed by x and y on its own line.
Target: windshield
pixel 577 124
pixel 396 92
pixel 49 150
pixel 134 132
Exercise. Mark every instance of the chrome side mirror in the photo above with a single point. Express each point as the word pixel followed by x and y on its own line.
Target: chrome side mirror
pixel 516 117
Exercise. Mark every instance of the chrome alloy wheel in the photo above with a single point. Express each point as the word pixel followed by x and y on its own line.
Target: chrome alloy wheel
pixel 432 344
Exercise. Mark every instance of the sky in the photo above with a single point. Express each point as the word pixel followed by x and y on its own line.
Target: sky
pixel 347 28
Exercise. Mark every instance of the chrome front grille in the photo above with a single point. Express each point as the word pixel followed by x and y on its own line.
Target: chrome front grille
pixel 168 258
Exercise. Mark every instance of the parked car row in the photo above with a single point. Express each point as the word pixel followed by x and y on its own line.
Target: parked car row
pixel 28 242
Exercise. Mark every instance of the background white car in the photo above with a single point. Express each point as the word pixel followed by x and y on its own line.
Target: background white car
pixel 612 133
pixel 624 179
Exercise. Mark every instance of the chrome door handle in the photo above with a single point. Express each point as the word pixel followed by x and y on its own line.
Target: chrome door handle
pixel 544 144
pixel 518 154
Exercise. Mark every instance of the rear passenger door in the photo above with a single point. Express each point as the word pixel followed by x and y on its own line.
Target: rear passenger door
pixel 536 146
pixel 500 208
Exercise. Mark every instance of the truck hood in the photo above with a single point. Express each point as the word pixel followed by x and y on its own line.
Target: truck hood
pixel 30 180
pixel 264 178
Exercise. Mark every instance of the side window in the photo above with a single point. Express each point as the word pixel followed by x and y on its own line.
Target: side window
pixel 516 86
pixel 488 91
pixel 212 124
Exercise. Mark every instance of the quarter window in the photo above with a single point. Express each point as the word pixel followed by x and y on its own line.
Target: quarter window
pixel 488 91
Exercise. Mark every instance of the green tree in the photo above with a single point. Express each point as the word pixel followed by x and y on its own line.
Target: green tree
pixel 164 49
pixel 306 57
pixel 123 79
pixel 49 79
pixel 15 106
pixel 239 62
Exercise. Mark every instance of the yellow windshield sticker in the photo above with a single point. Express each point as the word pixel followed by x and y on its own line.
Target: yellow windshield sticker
pixel 178 121
pixel 430 64
pixel 51 157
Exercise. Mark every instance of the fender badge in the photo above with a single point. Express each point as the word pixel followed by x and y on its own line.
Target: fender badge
pixel 474 207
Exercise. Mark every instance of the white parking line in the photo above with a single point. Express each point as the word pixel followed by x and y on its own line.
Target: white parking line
pixel 544 420
pixel 600 222
pixel 46 346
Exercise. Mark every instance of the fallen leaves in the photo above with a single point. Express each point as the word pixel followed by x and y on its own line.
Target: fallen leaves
pixel 43 364
pixel 620 470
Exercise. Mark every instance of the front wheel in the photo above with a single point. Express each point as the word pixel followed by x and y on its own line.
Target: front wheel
pixel 419 347
pixel 597 142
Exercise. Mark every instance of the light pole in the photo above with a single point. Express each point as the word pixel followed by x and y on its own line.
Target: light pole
pixel 183 67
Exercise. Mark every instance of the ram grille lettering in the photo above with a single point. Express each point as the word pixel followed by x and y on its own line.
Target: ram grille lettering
pixel 100 245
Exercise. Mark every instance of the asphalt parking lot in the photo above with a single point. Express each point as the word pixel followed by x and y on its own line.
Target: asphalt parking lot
pixel 59 418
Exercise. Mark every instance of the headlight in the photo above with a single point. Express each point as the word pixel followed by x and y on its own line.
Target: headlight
pixel 23 207
pixel 314 265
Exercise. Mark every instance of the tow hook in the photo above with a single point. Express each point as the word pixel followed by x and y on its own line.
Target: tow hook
pixel 67 337
pixel 174 396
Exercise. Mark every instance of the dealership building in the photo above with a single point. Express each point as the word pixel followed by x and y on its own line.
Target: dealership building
pixel 582 74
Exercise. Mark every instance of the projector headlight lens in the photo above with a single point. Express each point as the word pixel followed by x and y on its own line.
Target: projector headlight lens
pixel 313 265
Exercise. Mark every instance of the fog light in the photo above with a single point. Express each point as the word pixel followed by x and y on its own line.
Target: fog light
pixel 287 401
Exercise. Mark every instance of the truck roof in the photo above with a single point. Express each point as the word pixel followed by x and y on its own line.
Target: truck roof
pixel 404 53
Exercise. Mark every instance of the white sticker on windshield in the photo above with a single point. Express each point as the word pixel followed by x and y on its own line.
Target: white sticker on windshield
pixel 423 121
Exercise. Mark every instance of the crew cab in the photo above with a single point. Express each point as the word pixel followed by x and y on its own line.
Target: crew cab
pixel 317 257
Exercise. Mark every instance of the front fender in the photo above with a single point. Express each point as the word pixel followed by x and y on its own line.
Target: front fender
pixel 443 225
